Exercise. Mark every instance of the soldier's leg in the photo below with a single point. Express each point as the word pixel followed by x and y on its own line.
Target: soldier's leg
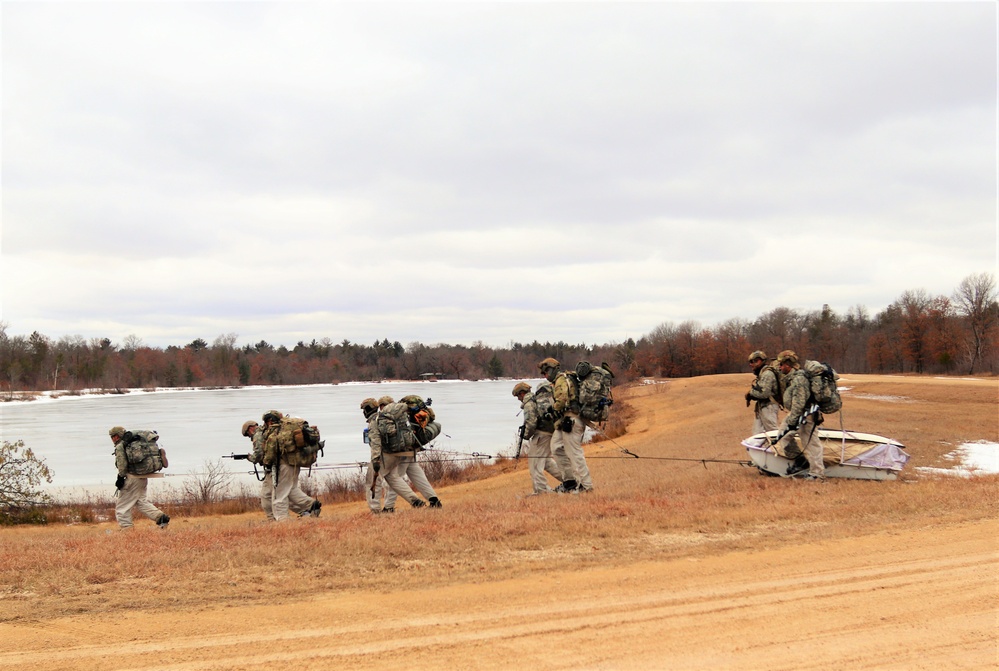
pixel 560 456
pixel 393 478
pixel 574 450
pixel 536 459
pixel 267 495
pixel 144 506
pixel 809 435
pixel 128 496
pixel 298 501
pixel 418 478
pixel 390 495
pixel 286 477
pixel 769 417
pixel 545 452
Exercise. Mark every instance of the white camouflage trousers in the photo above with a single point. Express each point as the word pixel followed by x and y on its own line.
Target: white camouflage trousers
pixel 133 495
pixel 567 446
pixel 287 495
pixel 298 501
pixel 766 418
pixel 539 460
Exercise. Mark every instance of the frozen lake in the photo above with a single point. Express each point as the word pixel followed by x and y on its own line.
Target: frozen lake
pixel 198 426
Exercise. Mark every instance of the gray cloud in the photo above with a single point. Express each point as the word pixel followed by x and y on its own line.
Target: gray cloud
pixel 459 172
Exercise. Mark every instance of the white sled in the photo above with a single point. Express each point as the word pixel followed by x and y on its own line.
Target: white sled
pixel 847 454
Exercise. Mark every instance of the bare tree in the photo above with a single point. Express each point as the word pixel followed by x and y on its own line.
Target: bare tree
pixel 975 300
pixel 21 472
pixel 210 485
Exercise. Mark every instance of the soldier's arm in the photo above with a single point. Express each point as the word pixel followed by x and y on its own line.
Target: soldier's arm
pixel 374 442
pixel 799 396
pixel 767 385
pixel 120 462
pixel 560 390
pixel 530 419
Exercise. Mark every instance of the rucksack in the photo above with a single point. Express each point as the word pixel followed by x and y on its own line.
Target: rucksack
pixel 142 452
pixel 426 434
pixel 394 431
pixel 822 380
pixel 294 440
pixel 594 392
pixel 421 419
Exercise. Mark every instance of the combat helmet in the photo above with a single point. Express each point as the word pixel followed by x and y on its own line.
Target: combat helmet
pixel 548 364
pixel 789 357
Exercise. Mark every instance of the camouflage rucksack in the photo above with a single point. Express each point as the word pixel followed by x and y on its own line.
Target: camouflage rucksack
pixel 142 452
pixel 394 431
pixel 294 440
pixel 595 397
pixel 822 379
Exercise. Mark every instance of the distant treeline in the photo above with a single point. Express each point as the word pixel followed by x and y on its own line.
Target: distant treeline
pixel 917 333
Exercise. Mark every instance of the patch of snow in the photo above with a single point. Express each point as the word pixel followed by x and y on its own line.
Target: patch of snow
pixel 978 458
pixel 884 397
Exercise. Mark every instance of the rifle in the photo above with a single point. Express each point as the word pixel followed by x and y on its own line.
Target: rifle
pixel 520 443
pixel 245 457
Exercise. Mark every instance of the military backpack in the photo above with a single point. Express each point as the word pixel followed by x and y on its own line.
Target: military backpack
pixel 294 440
pixel 594 391
pixel 394 431
pixel 822 380
pixel 143 454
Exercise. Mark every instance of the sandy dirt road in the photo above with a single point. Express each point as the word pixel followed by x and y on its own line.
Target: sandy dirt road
pixel 925 599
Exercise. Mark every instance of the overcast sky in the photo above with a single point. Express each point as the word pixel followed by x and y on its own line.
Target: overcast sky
pixel 496 172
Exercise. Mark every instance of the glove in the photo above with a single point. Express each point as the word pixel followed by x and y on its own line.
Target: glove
pixel 749 399
pixel 421 418
pixel 120 482
pixel 566 424
pixel 376 464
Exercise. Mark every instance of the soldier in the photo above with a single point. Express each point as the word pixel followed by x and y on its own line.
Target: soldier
pixel 766 392
pixel 376 487
pixel 285 474
pixel 298 501
pixel 131 488
pixel 537 430
pixel 802 420
pixel 396 461
pixel 567 441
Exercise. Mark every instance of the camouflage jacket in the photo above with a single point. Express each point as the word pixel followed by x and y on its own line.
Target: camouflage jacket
pixel 374 440
pixel 256 456
pixel 530 408
pixel 120 460
pixel 766 387
pixel 566 395
pixel 797 391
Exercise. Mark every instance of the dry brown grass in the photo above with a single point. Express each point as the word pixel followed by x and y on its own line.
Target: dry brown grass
pixel 647 508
